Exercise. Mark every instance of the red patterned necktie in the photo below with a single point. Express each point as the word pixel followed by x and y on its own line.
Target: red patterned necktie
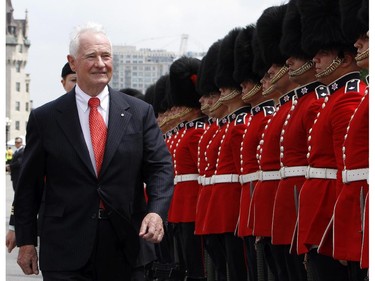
pixel 98 132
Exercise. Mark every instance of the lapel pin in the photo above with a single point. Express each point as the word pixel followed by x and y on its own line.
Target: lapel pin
pixel 122 114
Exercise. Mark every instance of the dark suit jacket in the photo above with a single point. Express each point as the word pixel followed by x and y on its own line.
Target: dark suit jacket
pixel 56 150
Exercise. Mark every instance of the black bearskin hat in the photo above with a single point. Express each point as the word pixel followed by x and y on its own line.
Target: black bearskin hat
pixel 259 66
pixel 363 14
pixel 133 92
pixel 321 26
pixel 225 67
pixel 244 56
pixel 269 32
pixel 183 77
pixel 352 26
pixel 290 43
pixel 149 94
pixel 206 75
pixel 162 101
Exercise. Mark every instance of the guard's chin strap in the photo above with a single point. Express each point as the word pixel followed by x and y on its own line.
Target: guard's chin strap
pixel 331 68
pixel 252 92
pixel 301 70
pixel 362 56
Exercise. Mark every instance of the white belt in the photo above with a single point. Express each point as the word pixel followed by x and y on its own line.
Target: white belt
pixel 205 181
pixel 295 171
pixel 224 178
pixel 187 177
pixel 269 175
pixel 354 175
pixel 249 177
pixel 321 173
pixel 199 179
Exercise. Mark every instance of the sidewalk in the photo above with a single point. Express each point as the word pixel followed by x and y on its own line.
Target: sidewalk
pixel 13 271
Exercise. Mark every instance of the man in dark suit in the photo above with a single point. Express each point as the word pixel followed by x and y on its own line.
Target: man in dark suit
pixel 96 224
pixel 14 166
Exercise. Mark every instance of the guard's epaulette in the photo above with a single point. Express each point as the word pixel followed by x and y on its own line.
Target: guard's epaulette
pixel 268 110
pixel 200 125
pixel 240 119
pixel 195 124
pixel 352 86
pixel 321 91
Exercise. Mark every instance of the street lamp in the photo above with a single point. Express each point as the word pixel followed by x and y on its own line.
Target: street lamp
pixel 7 129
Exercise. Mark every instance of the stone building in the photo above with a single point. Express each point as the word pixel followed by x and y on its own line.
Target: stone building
pixel 18 103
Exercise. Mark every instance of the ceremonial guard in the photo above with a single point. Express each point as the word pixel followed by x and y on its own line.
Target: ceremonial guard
pixel 336 67
pixel 348 213
pixel 269 32
pixel 183 77
pixel 261 110
pixel 216 111
pixel 223 206
pixel 293 140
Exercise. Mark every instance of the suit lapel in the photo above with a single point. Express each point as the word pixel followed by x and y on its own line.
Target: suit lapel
pixel 118 120
pixel 68 120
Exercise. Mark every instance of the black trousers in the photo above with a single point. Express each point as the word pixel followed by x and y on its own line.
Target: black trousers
pixel 355 271
pixel 325 268
pixel 107 261
pixel 216 250
pixel 190 249
pixel 251 258
pixel 235 256
pixel 289 267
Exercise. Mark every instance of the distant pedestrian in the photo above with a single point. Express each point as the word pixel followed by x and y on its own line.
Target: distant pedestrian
pixel 8 155
pixel 14 165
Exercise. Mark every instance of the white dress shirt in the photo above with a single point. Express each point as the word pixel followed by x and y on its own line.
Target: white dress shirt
pixel 83 109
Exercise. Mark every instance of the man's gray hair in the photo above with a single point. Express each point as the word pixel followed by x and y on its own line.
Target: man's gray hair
pixel 75 35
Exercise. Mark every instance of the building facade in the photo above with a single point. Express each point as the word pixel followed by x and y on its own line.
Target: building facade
pixel 18 103
pixel 138 69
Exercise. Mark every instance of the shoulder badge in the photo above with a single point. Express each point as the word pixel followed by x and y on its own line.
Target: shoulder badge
pixel 352 85
pixel 321 92
pixel 199 125
pixel 268 110
pixel 240 119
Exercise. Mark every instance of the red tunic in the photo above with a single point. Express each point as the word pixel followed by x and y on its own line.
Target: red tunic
pixel 223 207
pixel 317 195
pixel 183 204
pixel 211 158
pixel 249 163
pixel 293 150
pixel 349 208
pixel 203 195
pixel 269 160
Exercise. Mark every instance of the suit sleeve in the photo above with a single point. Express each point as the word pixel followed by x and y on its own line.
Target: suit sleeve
pixel 29 192
pixel 157 167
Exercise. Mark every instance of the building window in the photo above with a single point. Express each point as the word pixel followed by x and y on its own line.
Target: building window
pixel 18 106
pixel 27 106
pixel 27 87
pixel 20 49
pixel 18 86
pixel 18 66
pixel 17 125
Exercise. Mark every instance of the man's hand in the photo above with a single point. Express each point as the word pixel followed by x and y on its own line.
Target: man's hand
pixel 152 228
pixel 10 240
pixel 28 259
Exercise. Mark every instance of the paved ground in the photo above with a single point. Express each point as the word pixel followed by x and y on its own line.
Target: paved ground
pixel 13 271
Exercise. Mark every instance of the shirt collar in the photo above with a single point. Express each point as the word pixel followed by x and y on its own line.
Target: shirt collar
pixel 82 98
